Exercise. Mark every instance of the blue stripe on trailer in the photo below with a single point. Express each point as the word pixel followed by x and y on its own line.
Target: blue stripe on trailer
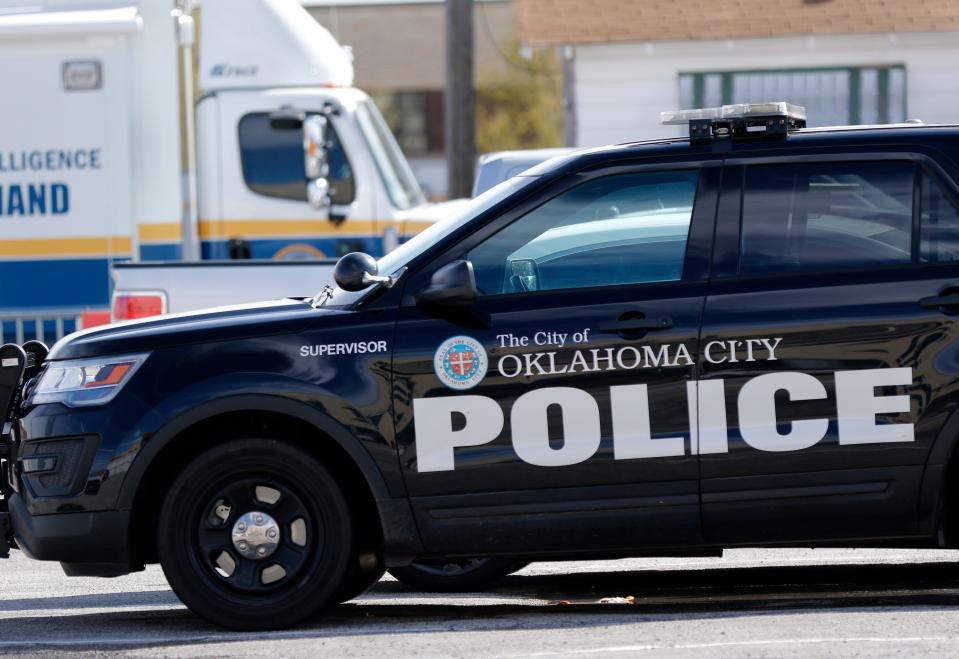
pixel 52 283
pixel 161 252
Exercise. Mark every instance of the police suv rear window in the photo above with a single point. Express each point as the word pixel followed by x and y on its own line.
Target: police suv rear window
pixel 826 216
pixel 939 225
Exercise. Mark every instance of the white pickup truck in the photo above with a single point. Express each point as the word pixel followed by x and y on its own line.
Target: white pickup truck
pixel 152 288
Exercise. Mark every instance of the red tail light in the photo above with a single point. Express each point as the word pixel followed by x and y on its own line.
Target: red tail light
pixel 127 306
pixel 90 319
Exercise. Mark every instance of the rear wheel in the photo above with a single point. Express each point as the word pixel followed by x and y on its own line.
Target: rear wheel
pixel 456 576
pixel 367 570
pixel 255 534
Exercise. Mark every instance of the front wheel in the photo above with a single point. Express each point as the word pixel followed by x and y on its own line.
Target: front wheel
pixel 453 576
pixel 255 534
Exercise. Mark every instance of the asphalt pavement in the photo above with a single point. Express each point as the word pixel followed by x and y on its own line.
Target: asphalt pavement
pixel 781 603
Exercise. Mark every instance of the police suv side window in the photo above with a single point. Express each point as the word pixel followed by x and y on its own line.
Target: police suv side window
pixel 622 229
pixel 272 161
pixel 826 216
pixel 939 224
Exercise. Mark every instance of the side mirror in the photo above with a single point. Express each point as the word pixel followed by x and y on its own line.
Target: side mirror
pixel 452 285
pixel 356 270
pixel 316 161
pixel 286 118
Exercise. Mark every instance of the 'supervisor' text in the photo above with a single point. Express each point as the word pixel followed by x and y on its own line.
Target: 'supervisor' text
pixel 443 424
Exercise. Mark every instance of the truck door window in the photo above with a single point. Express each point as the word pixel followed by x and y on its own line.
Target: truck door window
pixel 272 161
pixel 939 225
pixel 623 229
pixel 825 216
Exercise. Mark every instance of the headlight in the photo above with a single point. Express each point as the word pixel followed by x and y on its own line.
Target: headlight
pixel 85 382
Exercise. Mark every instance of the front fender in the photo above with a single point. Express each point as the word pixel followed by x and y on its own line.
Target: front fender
pixel 250 403
pixel 399 529
pixel 348 399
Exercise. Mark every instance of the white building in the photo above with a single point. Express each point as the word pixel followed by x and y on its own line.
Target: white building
pixel 847 61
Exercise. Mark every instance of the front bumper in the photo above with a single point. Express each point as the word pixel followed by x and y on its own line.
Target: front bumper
pixel 96 539
pixel 48 514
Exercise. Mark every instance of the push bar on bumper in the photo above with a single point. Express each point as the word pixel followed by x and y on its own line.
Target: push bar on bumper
pixel 18 365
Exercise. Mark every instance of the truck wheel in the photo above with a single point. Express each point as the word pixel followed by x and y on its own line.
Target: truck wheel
pixel 367 570
pixel 255 534
pixel 456 576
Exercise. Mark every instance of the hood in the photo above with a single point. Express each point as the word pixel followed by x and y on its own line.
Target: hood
pixel 204 326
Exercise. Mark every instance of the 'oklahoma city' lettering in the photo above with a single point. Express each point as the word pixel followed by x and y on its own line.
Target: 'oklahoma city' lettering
pixel 628 358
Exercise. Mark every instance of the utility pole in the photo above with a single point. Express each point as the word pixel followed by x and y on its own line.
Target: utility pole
pixel 460 101
pixel 570 127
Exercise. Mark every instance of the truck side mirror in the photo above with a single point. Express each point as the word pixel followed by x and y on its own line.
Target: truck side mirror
pixel 316 161
pixel 452 285
pixel 286 118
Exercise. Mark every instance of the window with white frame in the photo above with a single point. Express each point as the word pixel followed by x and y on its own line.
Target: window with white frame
pixel 831 96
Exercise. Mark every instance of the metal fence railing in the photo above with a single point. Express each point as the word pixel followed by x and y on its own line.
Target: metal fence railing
pixel 38 324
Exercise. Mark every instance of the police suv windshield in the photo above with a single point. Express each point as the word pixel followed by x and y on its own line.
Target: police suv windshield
pixel 412 248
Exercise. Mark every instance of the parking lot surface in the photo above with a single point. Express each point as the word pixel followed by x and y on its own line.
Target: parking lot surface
pixel 748 603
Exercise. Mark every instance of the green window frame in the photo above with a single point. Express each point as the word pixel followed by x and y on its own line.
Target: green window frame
pixel 832 95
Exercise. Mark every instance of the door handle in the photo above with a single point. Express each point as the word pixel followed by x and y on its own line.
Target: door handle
pixel 950 301
pixel 637 325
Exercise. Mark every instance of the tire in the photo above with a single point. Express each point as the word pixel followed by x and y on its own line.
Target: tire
pixel 456 576
pixel 221 511
pixel 367 570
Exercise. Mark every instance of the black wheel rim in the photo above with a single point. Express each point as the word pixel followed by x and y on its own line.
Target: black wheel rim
pixel 297 537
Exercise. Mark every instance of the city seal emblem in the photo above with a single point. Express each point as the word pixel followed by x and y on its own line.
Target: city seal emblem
pixel 460 362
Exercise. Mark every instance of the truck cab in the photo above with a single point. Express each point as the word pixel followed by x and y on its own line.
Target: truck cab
pixel 253 199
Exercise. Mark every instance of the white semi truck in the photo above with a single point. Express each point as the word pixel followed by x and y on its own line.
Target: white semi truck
pixel 101 161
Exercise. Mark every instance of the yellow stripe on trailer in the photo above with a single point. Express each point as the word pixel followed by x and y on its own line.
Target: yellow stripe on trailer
pixel 102 246
pixel 160 233
pixel 223 229
pixel 411 227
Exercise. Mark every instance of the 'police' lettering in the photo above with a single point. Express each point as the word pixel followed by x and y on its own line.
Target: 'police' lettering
pixel 580 415
pixel 708 400
pixel 631 433
pixel 436 437
pixel 858 406
pixel 445 423
pixel 757 412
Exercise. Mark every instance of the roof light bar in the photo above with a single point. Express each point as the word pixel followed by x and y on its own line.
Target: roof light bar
pixel 739 121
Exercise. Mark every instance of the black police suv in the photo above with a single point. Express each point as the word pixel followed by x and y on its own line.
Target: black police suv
pixel 744 337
